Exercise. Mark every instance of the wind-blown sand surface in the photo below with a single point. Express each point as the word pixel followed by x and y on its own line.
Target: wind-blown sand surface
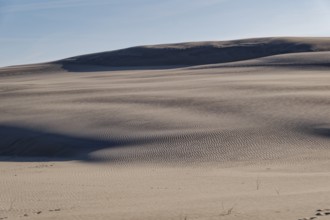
pixel 250 140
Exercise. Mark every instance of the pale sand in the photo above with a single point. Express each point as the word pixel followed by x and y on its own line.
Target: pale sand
pixel 238 142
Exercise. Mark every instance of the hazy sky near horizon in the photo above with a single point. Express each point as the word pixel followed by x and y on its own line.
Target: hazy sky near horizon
pixel 44 30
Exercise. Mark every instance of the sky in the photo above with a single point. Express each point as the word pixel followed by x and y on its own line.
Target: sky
pixel 33 31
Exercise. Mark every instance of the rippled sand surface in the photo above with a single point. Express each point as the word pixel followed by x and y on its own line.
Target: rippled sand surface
pixel 213 142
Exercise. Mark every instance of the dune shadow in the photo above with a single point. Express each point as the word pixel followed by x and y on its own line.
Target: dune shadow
pixel 102 68
pixel 20 144
pixel 169 57
pixel 323 131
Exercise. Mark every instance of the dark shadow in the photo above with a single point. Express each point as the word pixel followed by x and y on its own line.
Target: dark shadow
pixel 101 68
pixel 20 144
pixel 142 58
pixel 323 131
pixel 320 130
pixel 27 144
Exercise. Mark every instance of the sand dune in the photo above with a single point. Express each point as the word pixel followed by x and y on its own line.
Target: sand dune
pixel 245 140
pixel 200 53
pixel 296 60
pixel 179 115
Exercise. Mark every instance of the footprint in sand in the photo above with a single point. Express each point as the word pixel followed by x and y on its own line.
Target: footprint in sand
pixel 322 212
pixel 311 218
pixel 54 210
pixel 318 213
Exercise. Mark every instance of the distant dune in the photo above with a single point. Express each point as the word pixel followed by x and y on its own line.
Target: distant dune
pixel 304 59
pixel 199 53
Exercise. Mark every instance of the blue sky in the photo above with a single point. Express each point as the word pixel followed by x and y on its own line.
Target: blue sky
pixel 43 30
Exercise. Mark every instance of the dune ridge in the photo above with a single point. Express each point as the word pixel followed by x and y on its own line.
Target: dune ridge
pixel 200 53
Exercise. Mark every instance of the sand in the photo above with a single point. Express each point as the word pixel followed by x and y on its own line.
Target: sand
pixel 202 53
pixel 242 141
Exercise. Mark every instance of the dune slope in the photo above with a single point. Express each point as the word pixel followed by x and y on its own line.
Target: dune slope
pixel 199 53
pixel 245 140
pixel 188 115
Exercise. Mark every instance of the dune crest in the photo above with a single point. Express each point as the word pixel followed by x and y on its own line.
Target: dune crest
pixel 201 53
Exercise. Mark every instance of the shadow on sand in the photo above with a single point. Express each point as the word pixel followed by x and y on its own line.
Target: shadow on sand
pixel 99 68
pixel 323 131
pixel 21 144
pixel 26 144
